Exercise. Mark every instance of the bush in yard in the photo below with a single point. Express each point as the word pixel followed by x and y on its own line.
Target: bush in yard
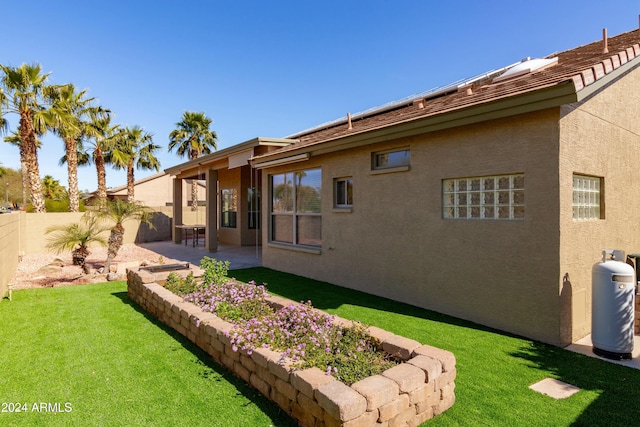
pixel 214 271
pixel 182 286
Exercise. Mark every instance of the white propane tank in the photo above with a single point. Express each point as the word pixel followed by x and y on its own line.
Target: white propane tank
pixel 612 306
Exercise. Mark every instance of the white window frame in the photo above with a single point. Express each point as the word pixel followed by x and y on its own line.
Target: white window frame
pixel 496 197
pixel 587 197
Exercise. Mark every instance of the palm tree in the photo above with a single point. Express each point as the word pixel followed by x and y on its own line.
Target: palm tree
pixel 117 212
pixel 79 108
pixel 14 139
pixel 134 148
pixel 76 238
pixel 101 136
pixel 193 138
pixel 26 93
pixel 4 124
pixel 51 188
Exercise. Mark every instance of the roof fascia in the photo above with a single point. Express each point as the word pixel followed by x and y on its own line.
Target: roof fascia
pixel 552 96
pixel 226 152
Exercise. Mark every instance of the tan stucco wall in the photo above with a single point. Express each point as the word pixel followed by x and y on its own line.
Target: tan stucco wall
pixel 159 191
pixel 599 137
pixel 395 242
pixel 240 179
pixel 10 249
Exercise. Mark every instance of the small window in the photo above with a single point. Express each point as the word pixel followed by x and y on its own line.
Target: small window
pixel 253 198
pixel 486 197
pixel 343 193
pixel 391 159
pixel 587 195
pixel 228 208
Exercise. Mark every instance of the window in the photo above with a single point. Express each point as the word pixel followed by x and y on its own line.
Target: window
pixel 296 216
pixel 343 192
pixel 253 198
pixel 488 197
pixel 228 208
pixel 587 192
pixel 391 159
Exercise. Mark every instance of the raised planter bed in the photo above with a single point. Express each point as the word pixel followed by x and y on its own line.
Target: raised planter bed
pixel 408 394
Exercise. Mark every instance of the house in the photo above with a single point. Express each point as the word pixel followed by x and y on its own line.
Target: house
pixel 156 190
pixel 235 217
pixel 489 199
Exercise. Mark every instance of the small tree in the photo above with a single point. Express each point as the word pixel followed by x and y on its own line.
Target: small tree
pixel 119 211
pixel 76 238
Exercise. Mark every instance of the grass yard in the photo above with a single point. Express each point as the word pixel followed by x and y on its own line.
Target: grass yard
pixel 87 349
pixel 494 369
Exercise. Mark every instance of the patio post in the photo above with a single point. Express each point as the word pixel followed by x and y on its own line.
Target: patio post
pixel 176 232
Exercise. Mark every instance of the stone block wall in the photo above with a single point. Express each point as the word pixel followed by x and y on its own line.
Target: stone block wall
pixel 407 394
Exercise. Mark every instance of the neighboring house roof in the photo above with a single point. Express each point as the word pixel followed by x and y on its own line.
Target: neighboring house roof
pixel 558 79
pixel 122 190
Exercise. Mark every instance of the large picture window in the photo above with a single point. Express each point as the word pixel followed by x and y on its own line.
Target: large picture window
pixel 296 216
pixel 487 197
pixel 228 208
pixel 587 194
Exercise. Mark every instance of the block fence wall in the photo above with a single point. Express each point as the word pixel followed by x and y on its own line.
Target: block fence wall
pixel 10 250
pixel 406 395
pixel 24 234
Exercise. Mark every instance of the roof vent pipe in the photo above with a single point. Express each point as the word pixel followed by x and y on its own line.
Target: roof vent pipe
pixel 349 121
pixel 605 47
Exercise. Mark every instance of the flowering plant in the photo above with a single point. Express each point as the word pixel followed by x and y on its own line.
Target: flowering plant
pixel 302 333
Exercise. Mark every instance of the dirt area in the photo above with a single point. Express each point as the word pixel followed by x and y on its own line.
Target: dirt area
pixel 49 270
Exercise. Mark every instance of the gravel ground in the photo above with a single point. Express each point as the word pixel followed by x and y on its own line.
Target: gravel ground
pixel 49 270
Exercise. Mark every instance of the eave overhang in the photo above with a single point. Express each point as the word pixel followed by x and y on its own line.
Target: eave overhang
pixel 192 167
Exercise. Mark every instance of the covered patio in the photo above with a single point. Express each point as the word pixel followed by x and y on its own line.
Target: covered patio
pixel 232 187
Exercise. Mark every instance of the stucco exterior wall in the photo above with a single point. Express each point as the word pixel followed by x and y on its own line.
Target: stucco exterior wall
pixel 395 242
pixel 158 191
pixel 240 179
pixel 599 137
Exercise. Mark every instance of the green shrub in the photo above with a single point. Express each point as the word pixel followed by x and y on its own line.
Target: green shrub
pixel 182 286
pixel 214 271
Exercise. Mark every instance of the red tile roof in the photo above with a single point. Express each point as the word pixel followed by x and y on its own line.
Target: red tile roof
pixel 583 66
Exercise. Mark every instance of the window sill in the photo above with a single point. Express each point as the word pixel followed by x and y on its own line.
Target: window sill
pixel 343 210
pixel 295 248
pixel 390 170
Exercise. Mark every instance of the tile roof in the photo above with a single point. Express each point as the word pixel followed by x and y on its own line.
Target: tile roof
pixel 582 65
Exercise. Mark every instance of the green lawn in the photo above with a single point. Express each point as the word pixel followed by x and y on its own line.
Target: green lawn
pixel 494 369
pixel 88 349
pixel 88 346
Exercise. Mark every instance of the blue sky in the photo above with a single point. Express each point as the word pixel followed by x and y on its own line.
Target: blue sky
pixel 274 68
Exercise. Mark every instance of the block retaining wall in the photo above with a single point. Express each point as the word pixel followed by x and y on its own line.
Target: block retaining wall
pixel 405 395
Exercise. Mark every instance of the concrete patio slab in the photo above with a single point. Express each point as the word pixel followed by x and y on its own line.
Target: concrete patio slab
pixel 585 346
pixel 238 256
